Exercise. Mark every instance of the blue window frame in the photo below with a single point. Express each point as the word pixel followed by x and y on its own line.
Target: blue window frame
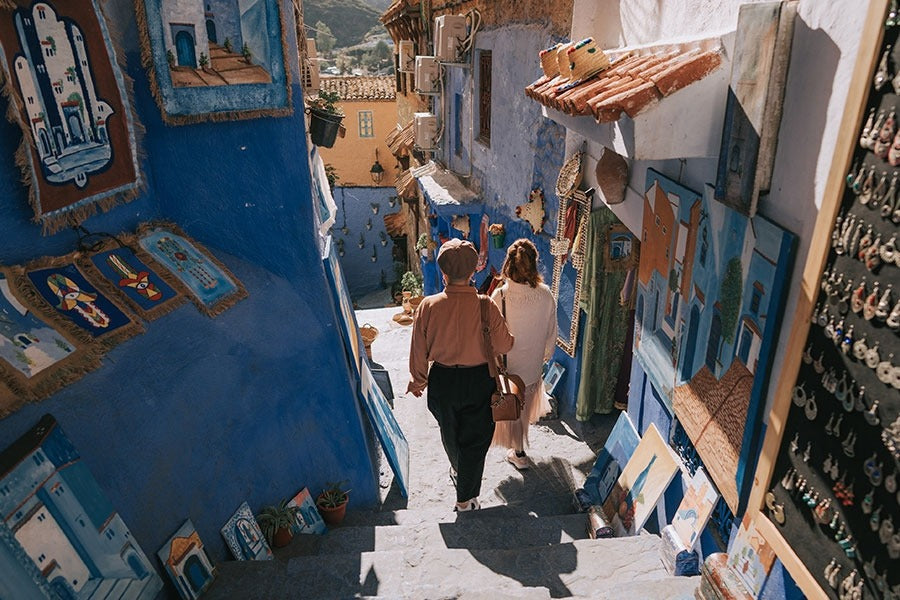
pixel 366 124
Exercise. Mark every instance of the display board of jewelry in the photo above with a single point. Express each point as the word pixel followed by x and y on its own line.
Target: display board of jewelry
pixel 834 489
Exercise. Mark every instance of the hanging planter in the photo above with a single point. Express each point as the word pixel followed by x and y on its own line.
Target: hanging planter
pixel 498 235
pixel 325 118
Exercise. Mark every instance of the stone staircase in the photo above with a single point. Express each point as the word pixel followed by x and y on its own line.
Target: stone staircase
pixel 497 552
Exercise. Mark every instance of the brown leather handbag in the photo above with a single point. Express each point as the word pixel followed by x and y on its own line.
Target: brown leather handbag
pixel 508 401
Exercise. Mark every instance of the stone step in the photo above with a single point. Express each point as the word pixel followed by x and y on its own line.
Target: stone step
pixel 442 512
pixel 583 568
pixel 478 531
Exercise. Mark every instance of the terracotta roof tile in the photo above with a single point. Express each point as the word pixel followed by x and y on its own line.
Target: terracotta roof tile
pixel 400 141
pixel 379 89
pixel 635 80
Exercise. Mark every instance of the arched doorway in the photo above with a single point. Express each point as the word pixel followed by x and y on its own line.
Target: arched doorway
pixel 211 31
pixel 45 142
pixel 196 573
pixel 75 128
pixel 184 48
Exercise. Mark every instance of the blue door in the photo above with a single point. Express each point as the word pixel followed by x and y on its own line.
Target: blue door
pixel 196 573
pixel 184 47
pixel 687 363
pixel 744 347
pixel 211 31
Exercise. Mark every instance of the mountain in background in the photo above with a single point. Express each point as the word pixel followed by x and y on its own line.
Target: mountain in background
pixel 349 20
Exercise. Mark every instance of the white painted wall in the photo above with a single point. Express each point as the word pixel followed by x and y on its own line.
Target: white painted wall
pixel 823 55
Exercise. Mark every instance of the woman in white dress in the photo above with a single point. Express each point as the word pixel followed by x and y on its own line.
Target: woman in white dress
pixel 530 312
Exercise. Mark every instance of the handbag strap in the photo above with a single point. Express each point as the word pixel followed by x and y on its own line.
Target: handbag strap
pixel 503 312
pixel 493 367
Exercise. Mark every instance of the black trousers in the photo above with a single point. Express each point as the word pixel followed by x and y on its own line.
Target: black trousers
pixel 460 400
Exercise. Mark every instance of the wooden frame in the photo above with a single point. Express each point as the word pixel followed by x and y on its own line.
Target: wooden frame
pixel 857 96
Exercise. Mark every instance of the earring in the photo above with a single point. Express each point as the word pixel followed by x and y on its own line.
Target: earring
pixel 886 529
pixel 859 403
pixel 893 320
pixel 831 573
pixel 885 137
pixel 871 302
pixel 884 370
pixel 872 258
pixel 829 329
pixel 892 21
pixel 807 356
pixel 827 463
pixel 895 378
pixel 890 197
pixel 872 357
pixel 890 482
pixel 811 409
pixel 894 546
pixel 849 444
pixel 884 305
pixel 868 186
pixel 881 188
pixel 882 75
pixel 869 142
pixel 795 443
pixel 836 430
pixel 843 304
pixel 806 452
pixel 847 341
pixel 868 499
pixel 875 519
pixel 842 389
pixel 787 482
pixel 799 395
pixel 864 134
pixel 859 349
pixel 818 365
pixel 871 415
pixel 847 400
pixel 858 297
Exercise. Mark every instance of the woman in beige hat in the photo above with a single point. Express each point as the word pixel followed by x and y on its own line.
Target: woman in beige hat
pixel 530 312
pixel 447 332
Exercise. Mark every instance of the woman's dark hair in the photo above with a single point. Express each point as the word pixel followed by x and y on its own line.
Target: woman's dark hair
pixel 521 263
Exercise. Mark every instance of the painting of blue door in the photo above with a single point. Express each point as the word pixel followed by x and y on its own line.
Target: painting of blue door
pixel 712 347
pixel 211 31
pixel 197 574
pixel 691 346
pixel 184 48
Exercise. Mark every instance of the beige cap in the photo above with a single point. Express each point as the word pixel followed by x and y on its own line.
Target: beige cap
pixel 457 258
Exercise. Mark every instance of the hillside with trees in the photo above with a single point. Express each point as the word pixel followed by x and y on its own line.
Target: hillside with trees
pixel 347 20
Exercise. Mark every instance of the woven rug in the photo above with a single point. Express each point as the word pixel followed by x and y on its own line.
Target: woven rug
pixel 118 272
pixel 68 95
pixel 187 265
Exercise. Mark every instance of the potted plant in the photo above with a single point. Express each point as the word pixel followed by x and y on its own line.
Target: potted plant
pixel 325 118
pixel 332 503
pixel 276 521
pixel 498 234
pixel 424 245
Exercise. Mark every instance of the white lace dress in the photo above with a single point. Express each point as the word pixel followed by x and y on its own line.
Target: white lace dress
pixel 531 318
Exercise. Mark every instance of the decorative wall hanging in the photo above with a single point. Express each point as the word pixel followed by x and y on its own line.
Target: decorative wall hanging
pixel 307 517
pixel 567 274
pixel 222 63
pixel 69 540
pixel 117 271
pixel 189 266
pixel 762 51
pixel 36 359
pixel 187 563
pixel 643 480
pixel 570 175
pixel 244 537
pixel 533 210
pixel 61 292
pixel 69 97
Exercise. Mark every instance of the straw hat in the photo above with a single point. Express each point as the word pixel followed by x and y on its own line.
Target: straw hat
pixel 549 62
pixel 586 60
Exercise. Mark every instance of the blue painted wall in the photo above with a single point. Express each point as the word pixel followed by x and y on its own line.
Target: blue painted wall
pixel 364 275
pixel 197 415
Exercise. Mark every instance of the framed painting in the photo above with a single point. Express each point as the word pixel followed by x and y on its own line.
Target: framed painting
pixel 61 292
pixel 36 358
pixel 762 51
pixel 621 248
pixel 187 563
pixel 68 534
pixel 642 483
pixel 750 556
pixel 244 537
pixel 393 442
pixel 700 497
pixel 613 456
pixel 186 264
pixel 69 97
pixel 117 271
pixel 552 376
pixel 215 60
pixel 732 289
pixel 308 519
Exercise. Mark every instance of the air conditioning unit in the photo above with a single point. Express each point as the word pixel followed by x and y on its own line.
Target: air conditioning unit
pixel 407 56
pixel 425 130
pixel 449 32
pixel 427 75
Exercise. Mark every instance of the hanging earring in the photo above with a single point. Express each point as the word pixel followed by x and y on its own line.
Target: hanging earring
pixel 890 482
pixel 888 252
pixel 829 329
pixel 859 349
pixel 884 370
pixel 827 463
pixel 807 356
pixel 799 395
pixel 818 365
pixel 806 452
pixel 867 128
pixel 847 341
pixel 859 403
pixel 841 388
pixel 884 305
pixel 871 415
pixel 857 165
pixel 869 142
pixel 864 243
pixel 891 21
pixel 868 186
pixel 872 357
pixel 866 503
pixel 811 410
pixel 848 445
pixel 875 519
pixel 787 482
pixel 886 529
pixel 795 443
pixel 872 258
pixel 831 573
pixel 885 136
pixel 836 430
pixel 880 190
pixel 843 304
pixel 882 75
pixel 858 297
pixel 894 546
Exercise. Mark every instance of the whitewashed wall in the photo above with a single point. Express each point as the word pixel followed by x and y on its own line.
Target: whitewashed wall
pixel 823 55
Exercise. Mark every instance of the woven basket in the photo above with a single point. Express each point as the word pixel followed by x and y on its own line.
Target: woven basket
pixel 369 333
pixel 559 247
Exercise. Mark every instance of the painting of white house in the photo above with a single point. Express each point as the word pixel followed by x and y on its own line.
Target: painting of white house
pixel 186 562
pixel 215 58
pixel 27 344
pixel 62 524
pixel 308 519
pixel 244 537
